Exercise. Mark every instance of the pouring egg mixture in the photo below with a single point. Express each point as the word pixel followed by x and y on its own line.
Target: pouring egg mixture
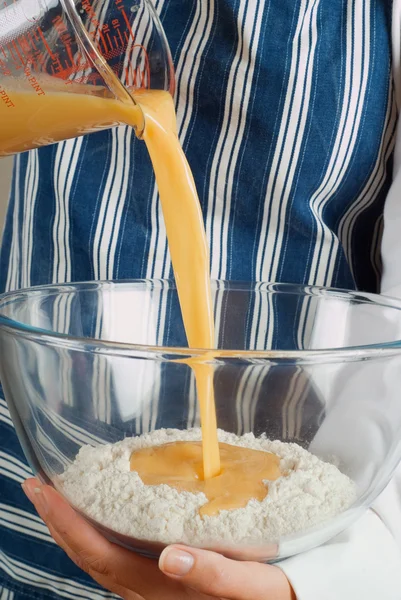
pixel 201 484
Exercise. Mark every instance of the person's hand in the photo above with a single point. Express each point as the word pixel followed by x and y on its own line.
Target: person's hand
pixel 182 573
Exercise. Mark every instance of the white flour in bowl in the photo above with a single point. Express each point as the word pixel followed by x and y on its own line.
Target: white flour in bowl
pixel 99 483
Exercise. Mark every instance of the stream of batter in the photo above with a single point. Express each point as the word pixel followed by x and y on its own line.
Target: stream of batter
pixel 228 475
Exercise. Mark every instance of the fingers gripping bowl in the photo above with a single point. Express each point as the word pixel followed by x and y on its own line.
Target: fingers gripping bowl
pixel 94 371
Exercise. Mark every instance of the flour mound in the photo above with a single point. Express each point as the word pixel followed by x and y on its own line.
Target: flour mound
pixel 99 483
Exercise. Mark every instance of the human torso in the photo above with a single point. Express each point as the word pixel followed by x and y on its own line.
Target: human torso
pixel 287 115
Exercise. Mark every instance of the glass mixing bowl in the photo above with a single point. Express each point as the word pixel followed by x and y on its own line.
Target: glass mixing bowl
pixel 93 363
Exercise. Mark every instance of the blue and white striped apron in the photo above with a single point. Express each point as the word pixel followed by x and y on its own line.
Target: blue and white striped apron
pixel 287 114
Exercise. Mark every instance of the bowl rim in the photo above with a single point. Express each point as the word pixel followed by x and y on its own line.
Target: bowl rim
pixel 205 355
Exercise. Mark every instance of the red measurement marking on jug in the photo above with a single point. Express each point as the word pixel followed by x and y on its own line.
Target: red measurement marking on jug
pixel 116 38
pixel 4 97
pixel 34 52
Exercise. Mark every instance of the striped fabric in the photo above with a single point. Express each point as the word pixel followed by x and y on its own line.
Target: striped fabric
pixel 287 114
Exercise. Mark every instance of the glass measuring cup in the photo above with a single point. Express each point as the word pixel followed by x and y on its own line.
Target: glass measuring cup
pixel 67 65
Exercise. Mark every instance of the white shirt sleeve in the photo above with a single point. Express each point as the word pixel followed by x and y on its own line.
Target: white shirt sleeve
pixel 388 505
pixel 365 561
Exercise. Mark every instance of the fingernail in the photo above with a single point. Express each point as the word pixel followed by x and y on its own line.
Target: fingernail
pixel 27 491
pixel 176 562
pixel 37 496
pixel 40 501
